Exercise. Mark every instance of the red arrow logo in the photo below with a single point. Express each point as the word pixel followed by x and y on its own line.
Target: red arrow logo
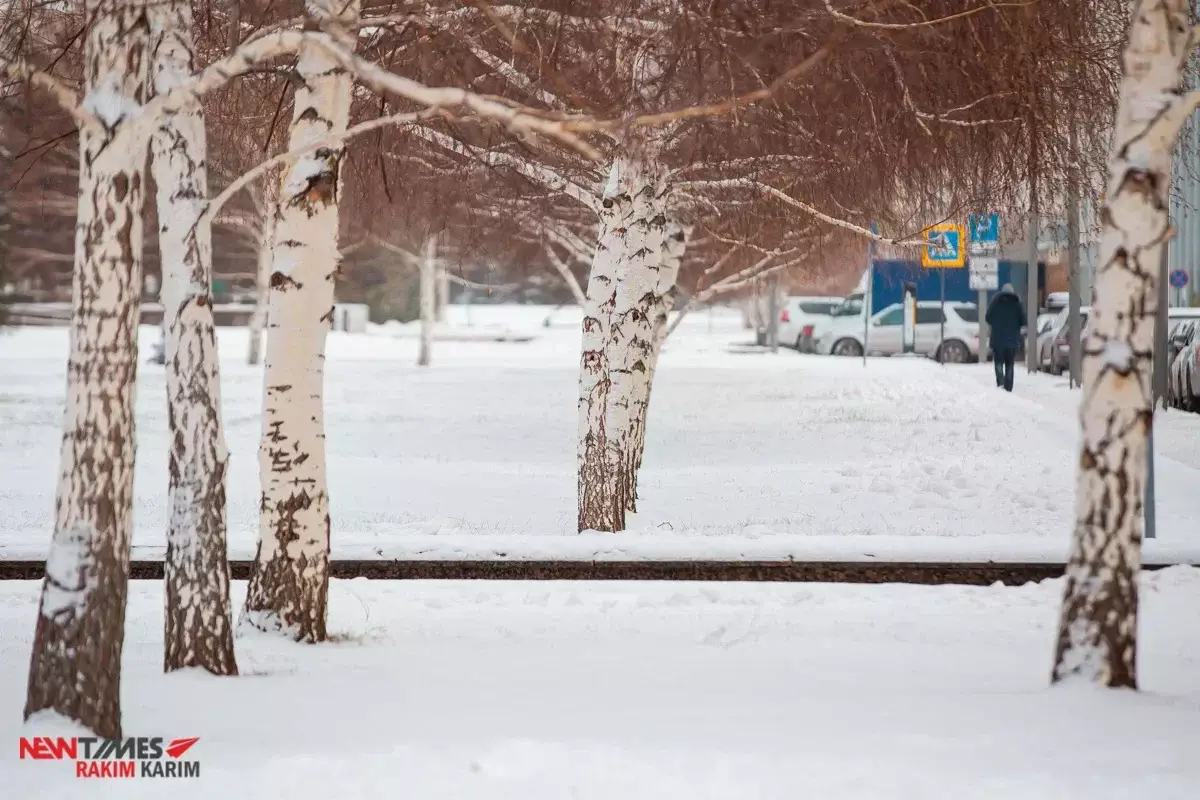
pixel 178 747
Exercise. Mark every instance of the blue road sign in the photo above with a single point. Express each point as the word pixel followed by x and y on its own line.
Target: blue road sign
pixel 943 247
pixel 985 229
pixel 1178 279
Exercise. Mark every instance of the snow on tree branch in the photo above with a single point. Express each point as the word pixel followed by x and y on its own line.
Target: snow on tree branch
pixel 897 26
pixel 62 94
pixel 538 173
pixel 258 171
pixel 564 271
pixel 805 207
pixel 514 76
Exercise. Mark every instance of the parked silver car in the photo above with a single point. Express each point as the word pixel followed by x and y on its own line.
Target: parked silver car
pixel 1183 353
pixel 1054 346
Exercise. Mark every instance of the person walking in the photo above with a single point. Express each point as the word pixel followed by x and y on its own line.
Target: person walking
pixel 1006 317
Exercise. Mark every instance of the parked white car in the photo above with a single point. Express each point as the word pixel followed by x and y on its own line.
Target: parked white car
pixel 844 337
pixel 800 315
pixel 1057 301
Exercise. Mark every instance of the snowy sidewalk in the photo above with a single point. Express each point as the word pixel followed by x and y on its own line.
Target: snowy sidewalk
pixel 583 690
pixel 749 456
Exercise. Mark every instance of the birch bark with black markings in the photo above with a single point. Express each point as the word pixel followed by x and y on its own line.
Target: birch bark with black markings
pixel 75 666
pixel 198 628
pixel 1097 636
pixel 289 588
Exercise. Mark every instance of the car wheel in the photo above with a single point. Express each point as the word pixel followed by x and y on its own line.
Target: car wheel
pixel 954 352
pixel 847 347
pixel 799 344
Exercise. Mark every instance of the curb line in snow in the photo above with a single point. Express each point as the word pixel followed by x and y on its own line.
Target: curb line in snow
pixel 928 573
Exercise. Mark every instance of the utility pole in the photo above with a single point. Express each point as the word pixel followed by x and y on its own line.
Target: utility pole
pixel 1075 328
pixel 867 298
pixel 1031 287
pixel 942 330
pixel 1158 393
pixel 984 329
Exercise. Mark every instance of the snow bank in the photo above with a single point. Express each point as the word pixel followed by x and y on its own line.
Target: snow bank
pixel 687 690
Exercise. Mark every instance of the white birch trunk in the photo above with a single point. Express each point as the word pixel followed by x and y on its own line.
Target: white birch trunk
pixel 631 343
pixel 262 279
pixel 198 625
pixel 674 244
pixel 443 292
pixel 75 667
pixel 617 337
pixel 1097 637
pixel 289 587
pixel 428 290
pixel 596 491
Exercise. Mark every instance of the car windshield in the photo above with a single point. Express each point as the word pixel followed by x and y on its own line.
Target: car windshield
pixel 820 307
pixel 967 313
pixel 852 307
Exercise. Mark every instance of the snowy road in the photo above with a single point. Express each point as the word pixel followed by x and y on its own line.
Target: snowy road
pixel 577 690
pixel 749 455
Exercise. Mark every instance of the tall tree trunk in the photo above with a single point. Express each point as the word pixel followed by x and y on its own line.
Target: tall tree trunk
pixel 1097 637
pixel 674 244
pixel 443 292
pixel 428 290
pixel 262 280
pixel 631 341
pixel 199 631
pixel 289 587
pixel 75 667
pixel 596 493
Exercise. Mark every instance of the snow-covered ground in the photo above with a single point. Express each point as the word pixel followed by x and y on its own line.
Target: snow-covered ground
pixel 678 690
pixel 556 690
pixel 750 455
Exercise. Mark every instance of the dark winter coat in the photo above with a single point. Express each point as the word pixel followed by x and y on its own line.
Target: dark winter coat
pixel 1006 318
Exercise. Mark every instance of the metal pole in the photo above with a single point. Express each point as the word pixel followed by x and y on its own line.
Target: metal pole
pixel 1075 327
pixel 1159 393
pixel 1031 287
pixel 867 295
pixel 942 332
pixel 1161 368
pixel 984 331
pixel 773 312
pixel 1148 504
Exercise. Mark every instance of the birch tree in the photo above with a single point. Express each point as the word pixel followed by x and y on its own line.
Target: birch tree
pixel 266 209
pixel 76 663
pixel 638 266
pixel 198 629
pixel 289 586
pixel 596 497
pixel 660 303
pixel 428 290
pixel 1097 635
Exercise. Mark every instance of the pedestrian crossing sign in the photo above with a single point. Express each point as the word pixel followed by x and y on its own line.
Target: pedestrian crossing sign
pixel 943 248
